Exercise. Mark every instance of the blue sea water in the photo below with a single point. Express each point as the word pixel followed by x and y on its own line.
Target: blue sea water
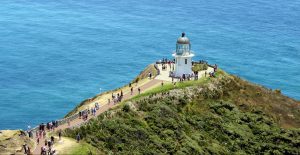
pixel 54 54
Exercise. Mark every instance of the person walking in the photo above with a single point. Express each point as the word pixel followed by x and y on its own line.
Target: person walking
pixel 59 134
pixel 25 148
pixel 78 138
pixel 28 151
pixel 52 140
pixel 131 90
pixel 43 150
pixel 38 140
pixel 139 89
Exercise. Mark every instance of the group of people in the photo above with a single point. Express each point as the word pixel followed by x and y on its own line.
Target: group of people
pixel 48 149
pixel 212 73
pixel 84 114
pixel 166 62
pixel 186 77
pixel 51 125
pixel 139 89
pixel 40 134
pixel 117 98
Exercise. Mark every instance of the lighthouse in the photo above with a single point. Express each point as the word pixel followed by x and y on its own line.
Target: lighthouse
pixel 183 57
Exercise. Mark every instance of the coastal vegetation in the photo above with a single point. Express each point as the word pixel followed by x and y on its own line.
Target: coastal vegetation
pixel 199 67
pixel 11 141
pixel 222 115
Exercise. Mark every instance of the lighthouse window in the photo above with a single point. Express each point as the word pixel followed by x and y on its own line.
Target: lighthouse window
pixel 185 61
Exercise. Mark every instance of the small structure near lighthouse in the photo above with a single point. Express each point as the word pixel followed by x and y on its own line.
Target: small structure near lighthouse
pixel 183 57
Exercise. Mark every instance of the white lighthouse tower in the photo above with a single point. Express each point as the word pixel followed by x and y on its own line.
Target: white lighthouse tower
pixel 183 57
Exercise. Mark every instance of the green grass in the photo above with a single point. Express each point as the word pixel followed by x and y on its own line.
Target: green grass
pixel 169 86
pixel 84 149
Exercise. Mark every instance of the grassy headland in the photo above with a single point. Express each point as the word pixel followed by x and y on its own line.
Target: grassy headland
pixel 222 115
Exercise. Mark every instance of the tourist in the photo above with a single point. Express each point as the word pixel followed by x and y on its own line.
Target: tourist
pixel 52 140
pixel 88 110
pixel 136 81
pixel 92 111
pixel 56 123
pixel 121 93
pixel 97 105
pixel 25 148
pixel 40 133
pixel 215 68
pixel 44 134
pixel 139 90
pixel 78 137
pixel 95 111
pixel 49 143
pixel 131 90
pixel 52 151
pixel 28 151
pixel 46 142
pixel 59 135
pixel 43 127
pixel 48 126
pixel 80 114
pixel 43 150
pixel 30 134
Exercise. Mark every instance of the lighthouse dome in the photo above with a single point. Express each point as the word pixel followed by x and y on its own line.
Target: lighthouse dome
pixel 183 39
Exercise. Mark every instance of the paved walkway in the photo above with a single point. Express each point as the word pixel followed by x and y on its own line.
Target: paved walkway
pixel 164 74
pixel 77 122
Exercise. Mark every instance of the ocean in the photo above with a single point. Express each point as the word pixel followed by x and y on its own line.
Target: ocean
pixel 54 54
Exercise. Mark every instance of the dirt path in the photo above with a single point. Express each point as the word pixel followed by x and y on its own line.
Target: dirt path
pixel 77 122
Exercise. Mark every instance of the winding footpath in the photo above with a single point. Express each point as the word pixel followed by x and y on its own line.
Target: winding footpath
pixel 77 122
